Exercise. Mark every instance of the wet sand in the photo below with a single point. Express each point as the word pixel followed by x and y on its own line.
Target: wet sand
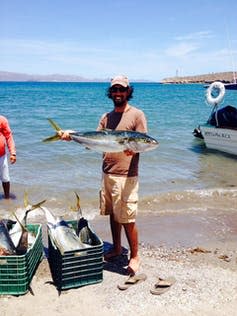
pixel 179 229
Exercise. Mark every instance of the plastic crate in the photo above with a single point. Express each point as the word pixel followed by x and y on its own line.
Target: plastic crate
pixel 16 272
pixel 76 268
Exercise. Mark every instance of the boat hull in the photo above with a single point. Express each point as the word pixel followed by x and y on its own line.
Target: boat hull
pixel 231 86
pixel 228 86
pixel 222 139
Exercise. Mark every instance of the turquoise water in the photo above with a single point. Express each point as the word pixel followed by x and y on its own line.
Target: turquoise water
pixel 180 175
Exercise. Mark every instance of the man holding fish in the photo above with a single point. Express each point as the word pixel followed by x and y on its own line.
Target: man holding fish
pixel 119 191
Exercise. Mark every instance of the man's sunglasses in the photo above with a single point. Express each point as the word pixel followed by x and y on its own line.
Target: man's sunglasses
pixel 118 89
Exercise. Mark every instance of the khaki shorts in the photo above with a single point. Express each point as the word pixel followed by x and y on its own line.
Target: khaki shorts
pixel 119 196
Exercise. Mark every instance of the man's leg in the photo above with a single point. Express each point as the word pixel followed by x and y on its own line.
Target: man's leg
pixel 116 234
pixel 6 189
pixel 116 237
pixel 132 237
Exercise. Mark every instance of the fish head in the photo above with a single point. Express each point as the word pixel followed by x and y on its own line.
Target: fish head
pixel 141 142
pixel 6 244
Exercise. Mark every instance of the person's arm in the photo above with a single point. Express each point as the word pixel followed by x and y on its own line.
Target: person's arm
pixel 9 140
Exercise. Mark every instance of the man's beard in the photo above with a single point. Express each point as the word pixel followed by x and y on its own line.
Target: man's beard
pixel 119 103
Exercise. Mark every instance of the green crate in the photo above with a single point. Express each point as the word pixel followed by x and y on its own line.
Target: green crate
pixel 16 272
pixel 76 268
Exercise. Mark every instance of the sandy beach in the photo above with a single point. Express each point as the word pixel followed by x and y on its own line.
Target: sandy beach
pixel 203 262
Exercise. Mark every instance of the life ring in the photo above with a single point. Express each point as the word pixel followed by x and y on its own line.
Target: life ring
pixel 215 93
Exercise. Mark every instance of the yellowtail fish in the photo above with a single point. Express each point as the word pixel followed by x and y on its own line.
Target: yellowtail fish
pixel 108 140
pixel 6 245
pixel 22 245
pixel 83 230
pixel 18 229
pixel 63 236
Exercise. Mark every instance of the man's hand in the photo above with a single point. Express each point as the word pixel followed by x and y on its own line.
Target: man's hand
pixel 65 135
pixel 129 152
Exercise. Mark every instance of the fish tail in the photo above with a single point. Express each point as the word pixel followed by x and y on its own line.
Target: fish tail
pixel 77 208
pixel 32 207
pixel 23 227
pixel 51 138
pixel 26 201
pixel 22 246
pixel 38 205
pixel 56 136
pixel 54 125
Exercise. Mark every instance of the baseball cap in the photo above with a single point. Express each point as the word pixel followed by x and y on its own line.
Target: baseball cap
pixel 121 80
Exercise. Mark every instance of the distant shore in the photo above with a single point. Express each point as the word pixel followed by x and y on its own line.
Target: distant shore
pixel 5 76
pixel 225 77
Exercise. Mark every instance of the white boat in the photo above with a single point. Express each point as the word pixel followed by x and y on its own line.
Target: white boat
pixel 220 131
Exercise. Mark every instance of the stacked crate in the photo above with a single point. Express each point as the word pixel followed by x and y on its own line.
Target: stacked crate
pixel 17 271
pixel 79 267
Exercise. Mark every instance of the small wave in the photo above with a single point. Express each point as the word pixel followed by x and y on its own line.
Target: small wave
pixel 190 201
pixel 162 203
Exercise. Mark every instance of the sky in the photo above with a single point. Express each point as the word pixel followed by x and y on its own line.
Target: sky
pixel 143 39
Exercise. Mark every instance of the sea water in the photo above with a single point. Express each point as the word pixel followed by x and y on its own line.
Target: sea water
pixel 180 175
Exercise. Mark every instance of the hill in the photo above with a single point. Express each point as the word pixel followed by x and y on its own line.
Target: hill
pixel 22 77
pixel 13 76
pixel 225 77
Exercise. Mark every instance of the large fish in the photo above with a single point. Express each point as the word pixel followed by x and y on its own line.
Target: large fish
pixel 6 245
pixel 108 140
pixel 82 230
pixel 63 236
pixel 18 230
pixel 77 209
pixel 23 243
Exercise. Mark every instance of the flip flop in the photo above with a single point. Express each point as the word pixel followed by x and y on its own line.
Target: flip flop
pixel 132 280
pixel 162 285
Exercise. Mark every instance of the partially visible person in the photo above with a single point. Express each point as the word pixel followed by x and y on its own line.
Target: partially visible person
pixel 119 192
pixel 6 140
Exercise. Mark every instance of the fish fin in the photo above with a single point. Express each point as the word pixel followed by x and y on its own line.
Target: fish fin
pixel 77 208
pixel 29 206
pixel 38 205
pixel 22 226
pixel 54 125
pixel 26 201
pixel 78 201
pixel 55 137
pixel 51 138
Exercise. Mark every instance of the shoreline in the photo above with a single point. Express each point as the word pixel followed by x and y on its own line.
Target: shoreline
pixel 205 270
pixel 225 77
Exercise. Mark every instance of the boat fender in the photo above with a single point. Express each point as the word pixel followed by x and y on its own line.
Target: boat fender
pixel 215 93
